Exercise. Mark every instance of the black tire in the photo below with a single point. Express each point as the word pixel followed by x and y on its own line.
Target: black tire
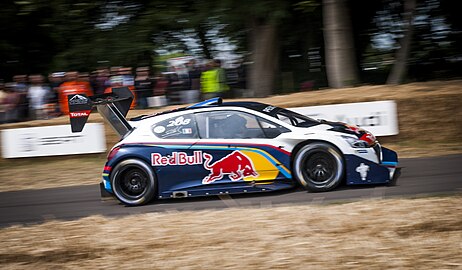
pixel 319 167
pixel 133 182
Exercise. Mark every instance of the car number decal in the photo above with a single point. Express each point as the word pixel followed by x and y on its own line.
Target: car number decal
pixel 180 121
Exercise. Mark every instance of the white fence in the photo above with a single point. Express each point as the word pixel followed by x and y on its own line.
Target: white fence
pixel 52 141
pixel 378 117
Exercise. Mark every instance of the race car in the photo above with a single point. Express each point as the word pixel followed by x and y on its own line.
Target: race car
pixel 216 147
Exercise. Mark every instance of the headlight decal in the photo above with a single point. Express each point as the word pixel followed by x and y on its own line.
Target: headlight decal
pixel 355 143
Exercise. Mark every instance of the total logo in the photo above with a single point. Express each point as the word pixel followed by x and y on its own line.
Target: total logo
pixel 236 165
pixel 79 114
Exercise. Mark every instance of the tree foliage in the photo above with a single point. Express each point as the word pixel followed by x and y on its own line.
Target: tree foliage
pixel 283 39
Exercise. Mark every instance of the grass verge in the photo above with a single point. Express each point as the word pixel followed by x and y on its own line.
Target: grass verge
pixel 423 233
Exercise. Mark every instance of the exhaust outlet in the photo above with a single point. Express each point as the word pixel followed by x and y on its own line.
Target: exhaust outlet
pixel 180 194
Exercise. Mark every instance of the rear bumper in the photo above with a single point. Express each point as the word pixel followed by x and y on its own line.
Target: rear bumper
pixel 104 193
pixel 360 171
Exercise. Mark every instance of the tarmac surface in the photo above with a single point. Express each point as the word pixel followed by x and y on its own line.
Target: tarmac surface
pixel 419 177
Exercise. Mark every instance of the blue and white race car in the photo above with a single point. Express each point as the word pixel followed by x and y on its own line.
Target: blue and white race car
pixel 216 147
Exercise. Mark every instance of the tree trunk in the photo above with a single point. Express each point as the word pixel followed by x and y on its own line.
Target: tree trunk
pixel 201 32
pixel 265 58
pixel 399 70
pixel 338 38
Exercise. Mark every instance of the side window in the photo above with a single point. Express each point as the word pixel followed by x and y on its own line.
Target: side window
pixel 270 129
pixel 228 125
pixel 180 127
pixel 285 119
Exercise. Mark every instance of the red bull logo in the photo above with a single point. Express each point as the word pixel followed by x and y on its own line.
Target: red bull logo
pixel 177 158
pixel 236 165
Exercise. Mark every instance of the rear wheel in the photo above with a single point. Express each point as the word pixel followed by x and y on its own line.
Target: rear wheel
pixel 133 182
pixel 319 167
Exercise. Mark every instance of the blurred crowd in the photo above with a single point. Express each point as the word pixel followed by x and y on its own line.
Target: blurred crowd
pixel 31 97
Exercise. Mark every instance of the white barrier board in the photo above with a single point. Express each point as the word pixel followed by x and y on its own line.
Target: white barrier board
pixel 52 141
pixel 378 117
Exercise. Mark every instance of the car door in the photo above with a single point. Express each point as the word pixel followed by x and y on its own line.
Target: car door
pixel 239 149
pixel 178 167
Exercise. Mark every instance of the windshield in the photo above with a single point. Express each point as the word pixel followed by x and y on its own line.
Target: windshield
pixel 287 116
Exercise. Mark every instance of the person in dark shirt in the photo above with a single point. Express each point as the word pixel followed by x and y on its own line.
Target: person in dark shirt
pixel 194 85
pixel 143 87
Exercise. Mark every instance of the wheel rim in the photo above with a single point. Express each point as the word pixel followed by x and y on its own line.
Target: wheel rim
pixel 133 183
pixel 319 167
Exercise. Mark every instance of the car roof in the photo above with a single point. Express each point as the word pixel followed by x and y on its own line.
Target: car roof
pixel 211 103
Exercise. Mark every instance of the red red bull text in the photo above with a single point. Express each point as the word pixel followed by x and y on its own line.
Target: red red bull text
pixel 177 158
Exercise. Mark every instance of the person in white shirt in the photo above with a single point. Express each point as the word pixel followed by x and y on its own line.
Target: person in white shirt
pixel 37 95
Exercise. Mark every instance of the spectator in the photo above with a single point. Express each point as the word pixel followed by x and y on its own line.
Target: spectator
pixel 37 95
pixel 11 103
pixel 115 81
pixel 207 86
pixel 20 86
pixel 213 81
pixel 160 89
pixel 3 95
pixel 55 79
pixel 174 88
pixel 221 78
pixel 120 79
pixel 102 81
pixel 161 84
pixel 84 79
pixel 127 77
pixel 71 86
pixel 143 87
pixel 194 84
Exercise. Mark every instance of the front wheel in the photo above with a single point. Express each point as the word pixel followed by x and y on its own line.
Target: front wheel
pixel 319 167
pixel 133 182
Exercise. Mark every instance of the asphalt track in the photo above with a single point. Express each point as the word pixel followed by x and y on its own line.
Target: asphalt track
pixel 419 177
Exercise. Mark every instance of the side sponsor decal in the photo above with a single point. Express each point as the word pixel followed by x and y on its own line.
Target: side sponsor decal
pixel 78 99
pixel 177 158
pixel 362 169
pixel 236 165
pixel 180 121
pixel 269 109
pixel 159 129
pixel 79 114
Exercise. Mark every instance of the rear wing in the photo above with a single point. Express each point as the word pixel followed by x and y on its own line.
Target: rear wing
pixel 113 107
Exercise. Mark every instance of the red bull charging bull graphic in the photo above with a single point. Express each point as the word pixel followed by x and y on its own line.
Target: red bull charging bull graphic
pixel 236 165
